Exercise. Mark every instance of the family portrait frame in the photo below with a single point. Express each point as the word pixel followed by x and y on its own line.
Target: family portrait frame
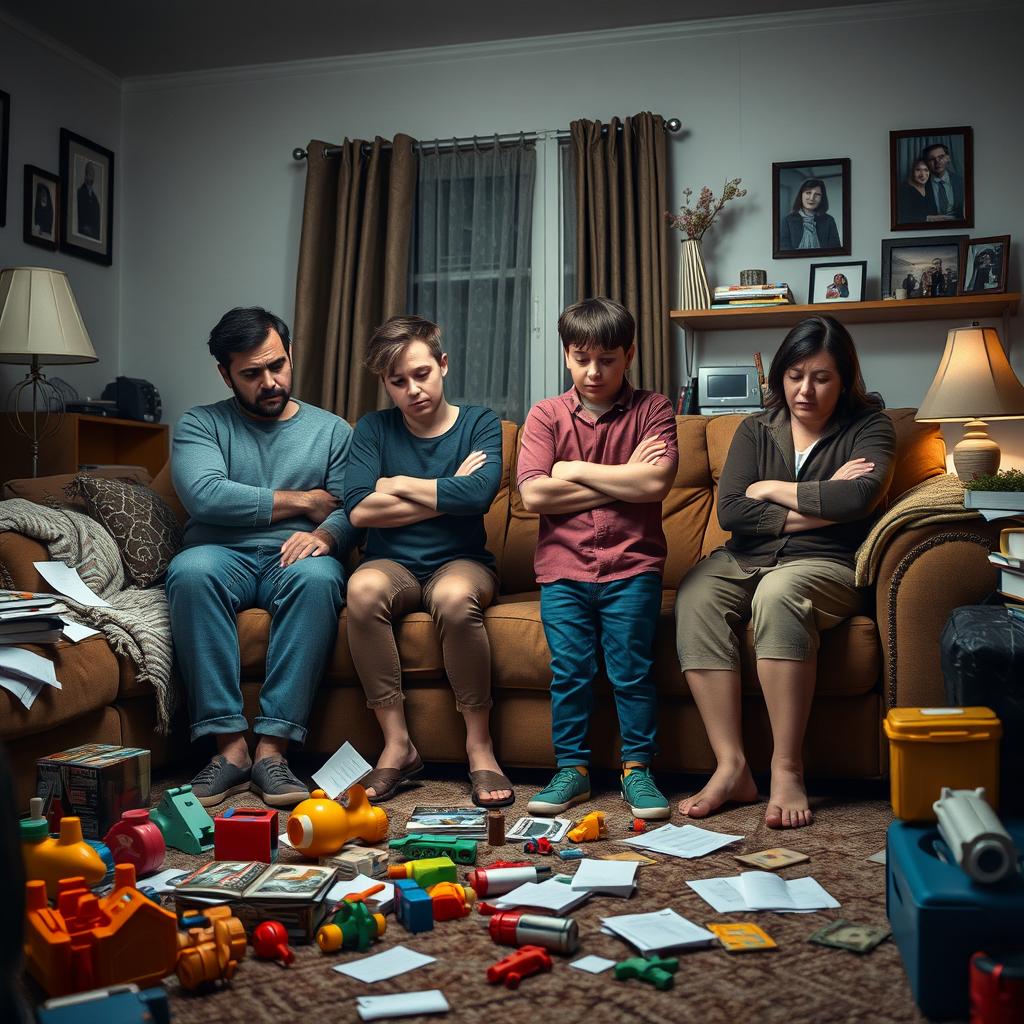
pixel 811 208
pixel 925 268
pixel 5 145
pixel 86 199
pixel 931 178
pixel 41 203
pixel 844 281
pixel 984 263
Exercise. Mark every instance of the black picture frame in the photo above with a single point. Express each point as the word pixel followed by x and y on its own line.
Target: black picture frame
pixel 975 280
pixel 86 198
pixel 35 217
pixel 790 180
pixel 844 269
pixel 913 199
pixel 5 146
pixel 905 258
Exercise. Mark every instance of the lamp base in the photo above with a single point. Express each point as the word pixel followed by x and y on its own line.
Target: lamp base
pixel 976 454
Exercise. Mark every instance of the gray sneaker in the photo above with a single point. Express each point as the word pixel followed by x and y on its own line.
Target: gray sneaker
pixel 218 780
pixel 274 783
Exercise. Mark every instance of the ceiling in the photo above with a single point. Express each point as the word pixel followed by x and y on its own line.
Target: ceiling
pixel 146 37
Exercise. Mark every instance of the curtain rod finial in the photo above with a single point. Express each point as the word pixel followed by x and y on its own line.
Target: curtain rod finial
pixel 298 153
pixel 673 124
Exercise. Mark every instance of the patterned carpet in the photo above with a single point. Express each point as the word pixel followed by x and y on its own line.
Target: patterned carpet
pixel 799 982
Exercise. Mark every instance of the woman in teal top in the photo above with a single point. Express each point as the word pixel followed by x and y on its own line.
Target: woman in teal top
pixel 420 477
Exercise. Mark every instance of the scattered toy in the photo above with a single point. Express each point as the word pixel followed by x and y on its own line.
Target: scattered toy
pixel 353 925
pixel 210 945
pixel 461 851
pixel 320 826
pixel 571 853
pixel 427 872
pixel 245 833
pixel 517 928
pixel 48 859
pixel 504 876
pixel 638 826
pixel 115 1004
pixel 590 827
pixel 539 845
pixel 451 901
pixel 658 971
pixel 183 821
pixel 137 840
pixel 521 964
pixel 270 942
pixel 414 908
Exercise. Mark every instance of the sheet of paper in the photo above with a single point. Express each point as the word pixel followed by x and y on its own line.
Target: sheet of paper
pixel 402 1004
pixel 761 890
pixel 877 858
pixel 75 631
pixel 657 931
pixel 344 768
pixel 808 894
pixel 383 901
pixel 723 897
pixel 17 663
pixel 682 840
pixel 22 689
pixel 165 881
pixel 592 964
pixel 611 877
pixel 66 581
pixel 548 895
pixel 389 964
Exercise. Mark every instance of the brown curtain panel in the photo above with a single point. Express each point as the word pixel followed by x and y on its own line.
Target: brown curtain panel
pixel 353 267
pixel 621 179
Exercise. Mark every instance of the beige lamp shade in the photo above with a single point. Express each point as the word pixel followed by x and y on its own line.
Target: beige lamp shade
pixel 974 380
pixel 39 319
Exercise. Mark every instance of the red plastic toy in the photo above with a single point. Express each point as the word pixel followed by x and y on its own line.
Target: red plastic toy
pixel 245 833
pixel 518 965
pixel 638 826
pixel 540 845
pixel 136 840
pixel 270 942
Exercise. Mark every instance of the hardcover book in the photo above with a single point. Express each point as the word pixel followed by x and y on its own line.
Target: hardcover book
pixel 470 822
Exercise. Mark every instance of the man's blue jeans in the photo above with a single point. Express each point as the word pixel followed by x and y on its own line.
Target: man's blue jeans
pixel 620 616
pixel 207 586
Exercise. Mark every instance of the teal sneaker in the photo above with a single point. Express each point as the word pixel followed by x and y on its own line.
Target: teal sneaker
pixel 643 796
pixel 568 787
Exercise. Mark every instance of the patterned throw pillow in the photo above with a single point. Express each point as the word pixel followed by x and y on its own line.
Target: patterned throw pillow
pixel 142 524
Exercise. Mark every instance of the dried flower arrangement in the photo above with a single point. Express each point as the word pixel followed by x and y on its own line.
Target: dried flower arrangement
pixel 695 220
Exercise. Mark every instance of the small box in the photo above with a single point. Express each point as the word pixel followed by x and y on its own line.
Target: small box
pixel 245 833
pixel 934 747
pixel 939 917
pixel 96 781
pixel 358 860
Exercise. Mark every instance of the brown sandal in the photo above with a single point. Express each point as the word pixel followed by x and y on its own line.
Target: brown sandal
pixel 484 781
pixel 385 782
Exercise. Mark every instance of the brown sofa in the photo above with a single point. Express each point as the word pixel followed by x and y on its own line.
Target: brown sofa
pixel 865 665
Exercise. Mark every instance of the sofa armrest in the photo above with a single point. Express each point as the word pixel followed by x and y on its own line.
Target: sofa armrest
pixel 17 553
pixel 925 573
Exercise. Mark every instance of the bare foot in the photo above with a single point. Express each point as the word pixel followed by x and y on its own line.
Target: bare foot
pixel 730 783
pixel 787 803
pixel 395 755
pixel 482 759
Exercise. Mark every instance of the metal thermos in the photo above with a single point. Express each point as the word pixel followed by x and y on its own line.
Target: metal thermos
pixel 498 881
pixel 514 928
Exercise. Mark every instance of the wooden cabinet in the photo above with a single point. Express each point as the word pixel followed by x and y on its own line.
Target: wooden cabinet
pixel 84 440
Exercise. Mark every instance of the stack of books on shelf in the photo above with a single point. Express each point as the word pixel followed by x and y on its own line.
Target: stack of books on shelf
pixel 1009 559
pixel 30 618
pixel 729 295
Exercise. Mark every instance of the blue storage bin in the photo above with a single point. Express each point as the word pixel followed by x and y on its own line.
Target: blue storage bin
pixel 940 917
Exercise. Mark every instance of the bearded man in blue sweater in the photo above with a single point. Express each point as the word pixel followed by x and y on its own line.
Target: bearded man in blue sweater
pixel 262 478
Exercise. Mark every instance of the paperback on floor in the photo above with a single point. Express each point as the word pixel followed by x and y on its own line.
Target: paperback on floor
pixel 470 822
pixel 294 894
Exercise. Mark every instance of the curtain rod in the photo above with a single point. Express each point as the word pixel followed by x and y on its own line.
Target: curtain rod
pixel 673 124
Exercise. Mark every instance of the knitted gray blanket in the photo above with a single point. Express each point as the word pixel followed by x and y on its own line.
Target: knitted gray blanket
pixel 136 624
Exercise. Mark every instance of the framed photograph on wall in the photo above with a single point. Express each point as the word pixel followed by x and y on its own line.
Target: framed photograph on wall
pixel 42 200
pixel 837 282
pixel 983 265
pixel 925 268
pixel 5 142
pixel 86 199
pixel 931 178
pixel 811 208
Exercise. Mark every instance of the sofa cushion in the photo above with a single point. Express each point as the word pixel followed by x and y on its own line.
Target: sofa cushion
pixel 50 490
pixel 920 452
pixel 686 510
pixel 144 528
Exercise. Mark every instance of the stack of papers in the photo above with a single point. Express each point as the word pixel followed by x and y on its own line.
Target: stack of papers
pixel 551 894
pixel 608 877
pixel 659 931
pixel 682 840
pixel 25 674
pixel 761 890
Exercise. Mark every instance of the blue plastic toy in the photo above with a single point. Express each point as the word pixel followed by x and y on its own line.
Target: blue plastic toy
pixel 571 853
pixel 118 1004
pixel 414 908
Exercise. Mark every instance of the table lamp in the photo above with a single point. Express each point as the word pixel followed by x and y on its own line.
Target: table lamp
pixel 974 383
pixel 39 323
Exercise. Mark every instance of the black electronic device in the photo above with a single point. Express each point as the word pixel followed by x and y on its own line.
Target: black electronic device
pixel 92 407
pixel 136 399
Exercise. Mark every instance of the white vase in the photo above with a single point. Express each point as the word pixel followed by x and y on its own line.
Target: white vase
pixel 694 292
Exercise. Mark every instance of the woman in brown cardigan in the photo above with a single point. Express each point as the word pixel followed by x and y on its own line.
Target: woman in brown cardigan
pixel 798 492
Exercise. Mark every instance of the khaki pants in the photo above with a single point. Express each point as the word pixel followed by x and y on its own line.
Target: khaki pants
pixel 455 596
pixel 789 605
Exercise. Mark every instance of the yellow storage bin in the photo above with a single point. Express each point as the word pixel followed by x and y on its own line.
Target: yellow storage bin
pixel 934 747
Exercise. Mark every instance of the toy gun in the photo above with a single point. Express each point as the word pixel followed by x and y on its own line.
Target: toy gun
pixel 518 965
pixel 975 835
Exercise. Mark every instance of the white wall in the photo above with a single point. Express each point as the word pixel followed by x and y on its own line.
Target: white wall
pixel 212 198
pixel 52 89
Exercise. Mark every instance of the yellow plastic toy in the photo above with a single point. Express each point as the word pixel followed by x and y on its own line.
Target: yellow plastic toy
pixel 589 828
pixel 209 951
pixel 319 827
pixel 49 860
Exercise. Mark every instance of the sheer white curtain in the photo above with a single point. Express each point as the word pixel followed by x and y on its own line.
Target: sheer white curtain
pixel 470 268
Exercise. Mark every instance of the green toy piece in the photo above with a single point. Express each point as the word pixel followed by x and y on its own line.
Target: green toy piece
pixel 658 971
pixel 183 821
pixel 462 851
pixel 352 926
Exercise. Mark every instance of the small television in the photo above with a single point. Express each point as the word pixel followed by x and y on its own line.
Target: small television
pixel 722 389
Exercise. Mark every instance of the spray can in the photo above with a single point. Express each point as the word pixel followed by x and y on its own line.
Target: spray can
pixel 514 928
pixel 503 877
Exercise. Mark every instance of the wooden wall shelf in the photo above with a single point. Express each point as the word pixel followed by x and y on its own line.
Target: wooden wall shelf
pixel 958 307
